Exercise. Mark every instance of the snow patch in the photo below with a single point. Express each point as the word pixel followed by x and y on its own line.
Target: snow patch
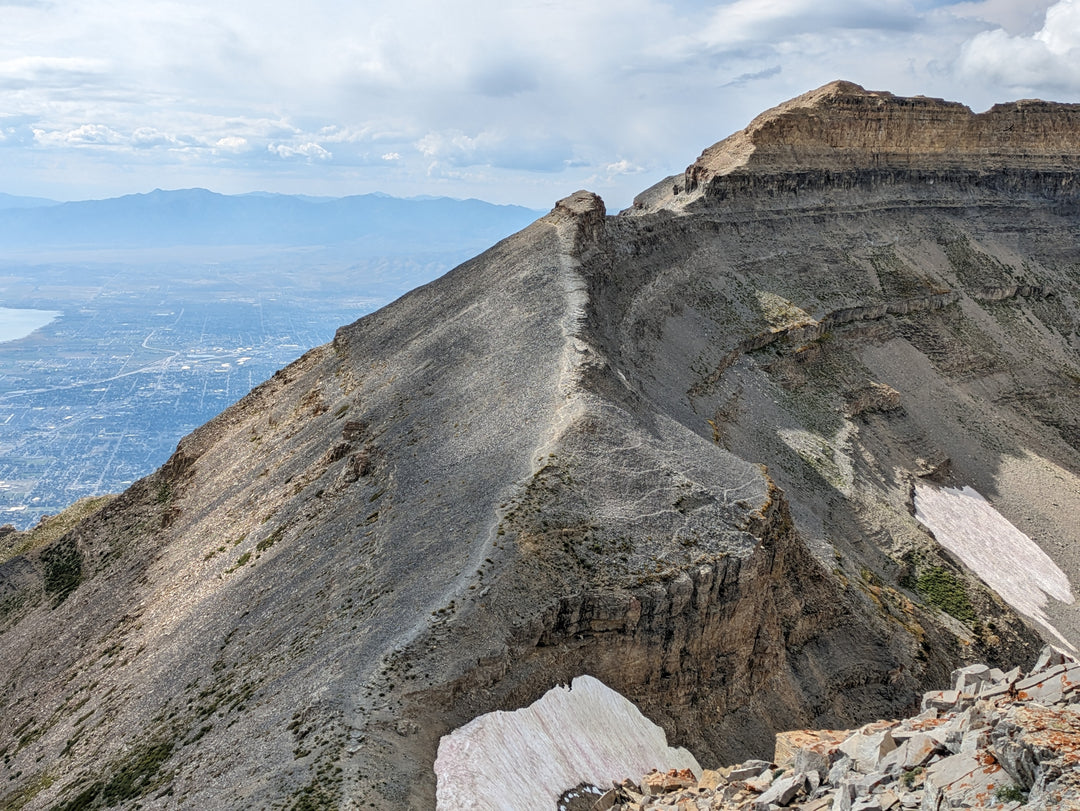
pixel 1006 559
pixel 584 733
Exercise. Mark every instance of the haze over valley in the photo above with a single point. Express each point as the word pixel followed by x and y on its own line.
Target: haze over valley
pixel 128 323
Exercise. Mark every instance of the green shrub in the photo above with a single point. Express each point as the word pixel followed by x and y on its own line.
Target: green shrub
pixel 943 589
pixel 63 569
pixel 135 776
pixel 1010 794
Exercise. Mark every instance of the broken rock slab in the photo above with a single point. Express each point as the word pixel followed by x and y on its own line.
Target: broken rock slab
pixel 869 745
pixel 966 780
pixel 1008 752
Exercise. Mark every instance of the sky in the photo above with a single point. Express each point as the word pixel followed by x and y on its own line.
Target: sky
pixel 512 101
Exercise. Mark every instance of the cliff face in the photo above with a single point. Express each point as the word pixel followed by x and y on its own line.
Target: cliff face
pixel 675 449
pixel 865 136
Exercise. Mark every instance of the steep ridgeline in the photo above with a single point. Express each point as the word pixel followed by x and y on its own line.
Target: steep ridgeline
pixel 680 450
pixel 840 136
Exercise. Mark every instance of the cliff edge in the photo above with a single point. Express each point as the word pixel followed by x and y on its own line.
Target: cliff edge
pixel 843 129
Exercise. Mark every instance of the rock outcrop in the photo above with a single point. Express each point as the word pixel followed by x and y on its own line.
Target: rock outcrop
pixel 673 449
pixel 841 134
pixel 994 741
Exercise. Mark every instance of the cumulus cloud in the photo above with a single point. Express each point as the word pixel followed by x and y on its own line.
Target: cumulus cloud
pixel 537 153
pixel 623 167
pixel 147 137
pixel 311 151
pixel 16 131
pixel 84 135
pixel 232 143
pixel 519 102
pixel 1048 58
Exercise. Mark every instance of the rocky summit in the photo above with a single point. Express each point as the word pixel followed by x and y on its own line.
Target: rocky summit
pixel 780 446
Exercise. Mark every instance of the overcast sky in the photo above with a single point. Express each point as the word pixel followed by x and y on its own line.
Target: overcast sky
pixel 518 101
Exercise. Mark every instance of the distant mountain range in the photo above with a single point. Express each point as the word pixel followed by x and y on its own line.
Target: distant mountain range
pixel 202 217
pixel 14 201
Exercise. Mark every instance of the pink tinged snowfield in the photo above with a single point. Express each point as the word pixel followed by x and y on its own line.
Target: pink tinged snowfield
pixel 524 760
pixel 1006 559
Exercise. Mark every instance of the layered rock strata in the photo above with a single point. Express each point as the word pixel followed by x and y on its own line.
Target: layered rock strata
pixel 843 135
pixel 673 449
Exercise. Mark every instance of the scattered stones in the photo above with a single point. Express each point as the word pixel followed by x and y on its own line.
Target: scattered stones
pixel 996 741
pixel 656 783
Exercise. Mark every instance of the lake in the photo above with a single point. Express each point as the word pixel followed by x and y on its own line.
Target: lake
pixel 15 324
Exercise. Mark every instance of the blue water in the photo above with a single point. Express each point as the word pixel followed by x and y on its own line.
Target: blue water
pixel 15 324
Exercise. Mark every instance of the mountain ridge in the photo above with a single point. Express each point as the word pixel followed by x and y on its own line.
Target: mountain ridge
pixel 676 449
pixel 843 129
pixel 202 217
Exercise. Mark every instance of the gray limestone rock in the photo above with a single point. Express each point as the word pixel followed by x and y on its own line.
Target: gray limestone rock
pixel 673 448
pixel 782 791
pixel 969 679
pixel 946 700
pixel 749 770
pixel 866 749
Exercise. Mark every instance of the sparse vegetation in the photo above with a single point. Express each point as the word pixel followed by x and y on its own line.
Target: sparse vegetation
pixel 134 777
pixel 943 589
pixel 911 777
pixel 270 540
pixel 63 569
pixel 20 798
pixel 1010 794
pixel 51 528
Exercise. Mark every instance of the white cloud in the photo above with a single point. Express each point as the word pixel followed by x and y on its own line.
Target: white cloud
pixel 84 135
pixel 49 71
pixel 623 167
pixel 527 151
pixel 518 102
pixel 392 156
pixel 232 143
pixel 310 150
pixel 1048 58
pixel 753 21
pixel 1023 17
pixel 150 137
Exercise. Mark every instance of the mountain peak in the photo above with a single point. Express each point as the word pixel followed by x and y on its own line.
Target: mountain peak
pixel 842 127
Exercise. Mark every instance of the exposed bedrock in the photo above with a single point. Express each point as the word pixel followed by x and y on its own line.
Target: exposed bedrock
pixel 674 449
pixel 722 654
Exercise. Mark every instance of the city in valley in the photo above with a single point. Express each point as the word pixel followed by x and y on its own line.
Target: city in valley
pixel 126 323
pixel 144 351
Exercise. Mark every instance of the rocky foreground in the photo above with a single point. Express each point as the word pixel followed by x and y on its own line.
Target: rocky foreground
pixel 996 741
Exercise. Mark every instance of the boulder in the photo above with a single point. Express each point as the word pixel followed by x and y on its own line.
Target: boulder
pixel 868 746
pixel 781 792
pixel 962 781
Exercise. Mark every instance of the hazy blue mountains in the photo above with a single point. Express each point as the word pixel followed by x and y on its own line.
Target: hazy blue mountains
pixel 201 217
